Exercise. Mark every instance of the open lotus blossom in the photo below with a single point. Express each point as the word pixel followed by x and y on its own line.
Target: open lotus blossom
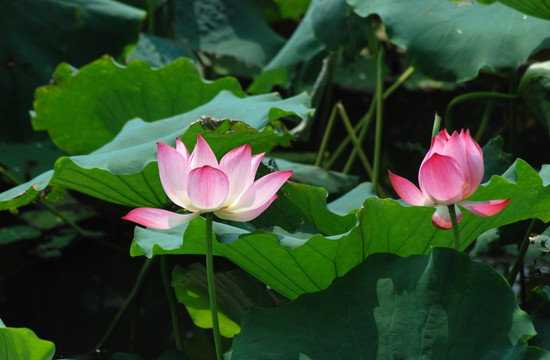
pixel 199 184
pixel 450 172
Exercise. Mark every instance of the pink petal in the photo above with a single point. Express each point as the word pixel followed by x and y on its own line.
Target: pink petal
pixel 408 191
pixel 441 179
pixel 180 147
pixel 474 158
pixel 207 188
pixel 254 164
pixel 469 157
pixel 236 164
pixel 202 155
pixel 442 219
pixel 158 218
pixel 260 192
pixel 173 171
pixel 485 208
pixel 245 215
pixel 438 144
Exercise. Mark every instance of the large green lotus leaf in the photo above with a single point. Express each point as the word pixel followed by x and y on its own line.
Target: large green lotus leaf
pixel 222 27
pixel 326 25
pixel 39 34
pixel 538 8
pixel 308 260
pixel 437 306
pixel 452 41
pixel 22 343
pixel 534 91
pixel 101 97
pixel 125 172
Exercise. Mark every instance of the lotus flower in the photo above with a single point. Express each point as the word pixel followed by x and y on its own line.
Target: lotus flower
pixel 450 172
pixel 199 184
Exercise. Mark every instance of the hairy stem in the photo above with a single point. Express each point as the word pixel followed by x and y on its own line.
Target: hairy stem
pixel 212 287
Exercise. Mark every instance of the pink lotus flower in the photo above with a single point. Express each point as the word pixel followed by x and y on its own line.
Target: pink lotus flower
pixel 199 184
pixel 450 172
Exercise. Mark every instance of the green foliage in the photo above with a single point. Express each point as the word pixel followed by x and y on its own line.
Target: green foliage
pixel 223 27
pixel 534 91
pixel 538 8
pixel 452 41
pixel 265 82
pixel 496 160
pixel 29 159
pixel 159 52
pixel 124 171
pixel 326 25
pixel 236 291
pixel 22 343
pixel 25 193
pixel 319 245
pixel 396 308
pixel 102 96
pixel 76 32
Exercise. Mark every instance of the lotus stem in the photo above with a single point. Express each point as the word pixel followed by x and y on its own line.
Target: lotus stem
pixel 521 254
pixel 454 222
pixel 379 119
pixel 364 124
pixel 212 287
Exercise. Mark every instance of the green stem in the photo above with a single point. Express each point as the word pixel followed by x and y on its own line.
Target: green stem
pixel 484 120
pixel 521 254
pixel 436 126
pixel 151 17
pixel 474 96
pixel 362 127
pixel 172 303
pixel 212 287
pixel 326 136
pixel 135 290
pixel 454 222
pixel 379 118
pixel 364 124
pixel 354 139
